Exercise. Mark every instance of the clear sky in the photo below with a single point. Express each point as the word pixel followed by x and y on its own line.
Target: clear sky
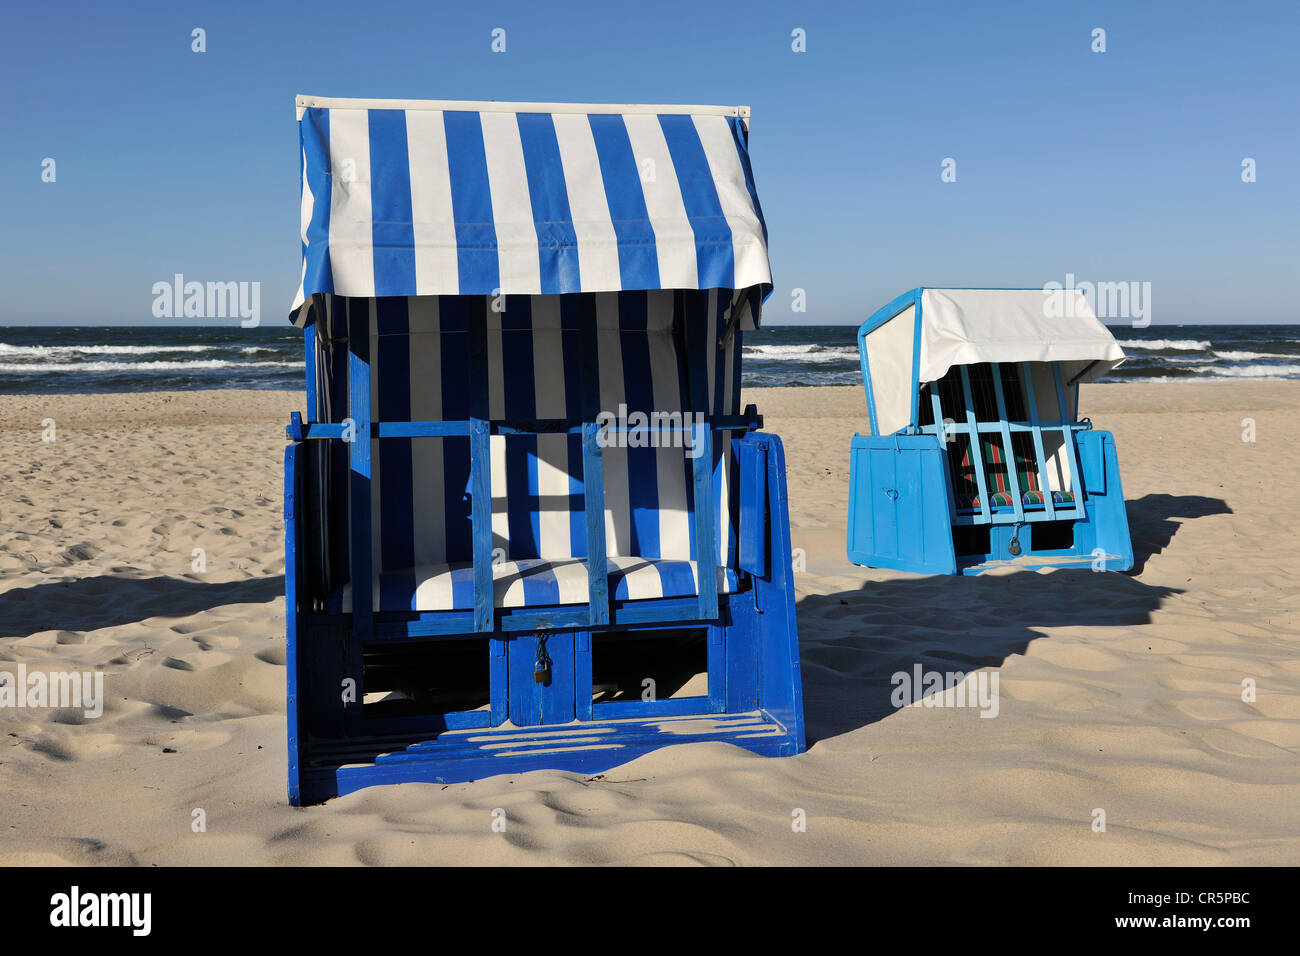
pixel 1117 166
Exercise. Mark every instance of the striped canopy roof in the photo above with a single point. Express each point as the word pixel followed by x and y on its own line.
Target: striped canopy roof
pixel 404 198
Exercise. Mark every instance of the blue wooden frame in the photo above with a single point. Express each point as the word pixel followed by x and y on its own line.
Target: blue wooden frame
pixel 910 518
pixel 754 697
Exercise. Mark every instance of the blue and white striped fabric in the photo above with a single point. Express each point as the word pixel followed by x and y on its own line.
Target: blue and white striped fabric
pixel 421 370
pixel 406 199
pixel 529 583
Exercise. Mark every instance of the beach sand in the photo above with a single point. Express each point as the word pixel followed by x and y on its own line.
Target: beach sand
pixel 1120 693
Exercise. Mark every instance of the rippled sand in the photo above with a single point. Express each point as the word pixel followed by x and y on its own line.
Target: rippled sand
pixel 1120 693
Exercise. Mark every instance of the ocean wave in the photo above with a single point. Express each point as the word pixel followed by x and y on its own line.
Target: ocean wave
pixel 1248 371
pixel 17 368
pixel 1231 356
pixel 800 353
pixel 53 351
pixel 1177 345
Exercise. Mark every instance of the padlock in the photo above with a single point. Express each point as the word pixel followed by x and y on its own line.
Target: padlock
pixel 542 668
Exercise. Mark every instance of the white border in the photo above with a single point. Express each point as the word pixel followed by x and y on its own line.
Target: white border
pixel 304 101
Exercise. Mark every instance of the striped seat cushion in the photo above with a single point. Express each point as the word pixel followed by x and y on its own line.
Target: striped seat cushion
pixel 1000 499
pixel 995 476
pixel 530 583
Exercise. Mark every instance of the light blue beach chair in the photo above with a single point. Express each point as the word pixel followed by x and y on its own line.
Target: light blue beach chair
pixel 528 524
pixel 976 456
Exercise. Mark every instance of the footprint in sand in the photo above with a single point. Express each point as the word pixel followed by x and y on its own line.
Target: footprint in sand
pixel 81 746
pixel 272 655
pixel 132 656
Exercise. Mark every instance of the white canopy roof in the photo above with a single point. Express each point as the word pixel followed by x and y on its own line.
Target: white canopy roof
pixel 417 198
pixel 969 326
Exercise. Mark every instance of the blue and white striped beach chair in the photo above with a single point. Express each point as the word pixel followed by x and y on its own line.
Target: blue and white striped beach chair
pixel 977 456
pixel 528 523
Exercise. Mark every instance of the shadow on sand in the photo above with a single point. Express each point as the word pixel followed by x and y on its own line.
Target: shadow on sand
pixel 1152 521
pixel 107 600
pixel 853 642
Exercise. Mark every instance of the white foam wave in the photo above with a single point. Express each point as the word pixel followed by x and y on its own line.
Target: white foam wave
pixel 801 353
pixel 1231 356
pixel 1178 345
pixel 61 351
pixel 13 368
pixel 1248 371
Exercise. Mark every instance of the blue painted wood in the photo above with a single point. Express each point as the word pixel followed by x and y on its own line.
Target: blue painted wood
pixel 309 357
pixel 877 319
pixel 976 453
pixel 739 622
pixel 359 473
pixel 754 698
pixel 293 586
pixel 1094 468
pixel 1008 450
pixel 1027 373
pixel 481 522
pixel 753 508
pixel 706 528
pixel 321 785
pixel 639 709
pixel 866 381
pixel 593 489
pixel 774 647
pixel 916 363
pixel 547 703
pixel 880 527
pixel 400 626
pixel 453 429
pixel 1074 477
pixel 899 498
pixel 499 679
pixel 717 669
pixel 582 681
pixel 1109 517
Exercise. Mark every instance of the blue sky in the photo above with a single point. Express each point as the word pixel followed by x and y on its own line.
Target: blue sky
pixel 1115 166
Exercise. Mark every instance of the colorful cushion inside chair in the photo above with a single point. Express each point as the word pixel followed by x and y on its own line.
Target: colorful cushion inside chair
pixel 966 488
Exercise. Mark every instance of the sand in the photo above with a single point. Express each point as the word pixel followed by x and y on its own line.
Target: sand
pixel 1118 693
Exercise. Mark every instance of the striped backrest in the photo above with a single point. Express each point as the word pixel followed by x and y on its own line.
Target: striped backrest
pixel 661 350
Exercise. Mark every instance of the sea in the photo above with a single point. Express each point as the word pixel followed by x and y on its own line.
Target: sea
pixel 91 359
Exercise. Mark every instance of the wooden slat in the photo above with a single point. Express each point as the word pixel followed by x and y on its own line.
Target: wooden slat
pixel 976 453
pixel 480 478
pixel 706 530
pixel 1075 478
pixel 593 490
pixel 753 508
pixel 360 557
pixel 1043 478
pixel 1008 450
